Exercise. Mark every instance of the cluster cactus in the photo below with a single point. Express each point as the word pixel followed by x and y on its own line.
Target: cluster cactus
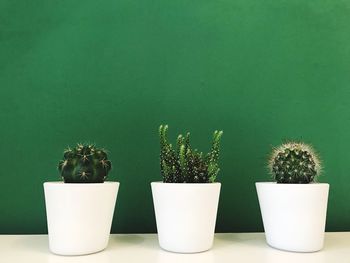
pixel 84 164
pixel 182 164
pixel 294 163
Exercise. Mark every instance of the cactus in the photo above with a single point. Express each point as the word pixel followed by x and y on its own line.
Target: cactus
pixel 294 163
pixel 185 165
pixel 84 164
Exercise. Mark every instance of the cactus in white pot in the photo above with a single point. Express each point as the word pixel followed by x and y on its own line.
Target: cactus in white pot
pixel 294 207
pixel 186 201
pixel 80 209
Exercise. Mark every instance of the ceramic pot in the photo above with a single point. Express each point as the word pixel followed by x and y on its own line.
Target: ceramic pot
pixel 294 215
pixel 185 215
pixel 79 216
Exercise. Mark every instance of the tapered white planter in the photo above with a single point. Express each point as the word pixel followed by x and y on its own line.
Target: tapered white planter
pixel 79 216
pixel 294 215
pixel 185 215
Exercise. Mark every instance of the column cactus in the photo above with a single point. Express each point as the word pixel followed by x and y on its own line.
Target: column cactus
pixel 294 163
pixel 182 164
pixel 84 164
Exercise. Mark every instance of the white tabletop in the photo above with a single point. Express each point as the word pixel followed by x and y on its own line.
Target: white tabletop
pixel 143 248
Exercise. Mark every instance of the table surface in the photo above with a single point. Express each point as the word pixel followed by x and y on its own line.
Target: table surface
pixel 229 247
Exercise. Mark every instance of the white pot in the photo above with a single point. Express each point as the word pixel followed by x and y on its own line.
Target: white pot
pixel 294 215
pixel 79 216
pixel 185 215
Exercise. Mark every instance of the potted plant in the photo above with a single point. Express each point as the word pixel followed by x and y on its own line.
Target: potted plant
pixel 294 207
pixel 80 209
pixel 186 202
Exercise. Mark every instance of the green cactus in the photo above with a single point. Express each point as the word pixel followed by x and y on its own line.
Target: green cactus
pixel 84 164
pixel 185 165
pixel 294 163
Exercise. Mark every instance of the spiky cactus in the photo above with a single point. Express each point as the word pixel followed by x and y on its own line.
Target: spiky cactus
pixel 84 164
pixel 182 164
pixel 294 163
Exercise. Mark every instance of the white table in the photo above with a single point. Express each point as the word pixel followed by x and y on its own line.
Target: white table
pixel 143 248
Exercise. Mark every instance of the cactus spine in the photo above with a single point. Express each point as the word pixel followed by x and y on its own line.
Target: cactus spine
pixel 84 164
pixel 294 163
pixel 185 165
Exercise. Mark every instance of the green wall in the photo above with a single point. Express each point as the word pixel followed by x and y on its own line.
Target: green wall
pixel 111 72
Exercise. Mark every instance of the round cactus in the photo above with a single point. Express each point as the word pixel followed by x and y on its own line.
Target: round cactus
pixel 294 163
pixel 84 164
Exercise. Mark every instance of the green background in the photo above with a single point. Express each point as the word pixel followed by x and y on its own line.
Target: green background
pixel 111 72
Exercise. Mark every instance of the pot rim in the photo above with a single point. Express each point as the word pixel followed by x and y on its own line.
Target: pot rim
pixel 185 184
pixel 79 184
pixel 291 185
